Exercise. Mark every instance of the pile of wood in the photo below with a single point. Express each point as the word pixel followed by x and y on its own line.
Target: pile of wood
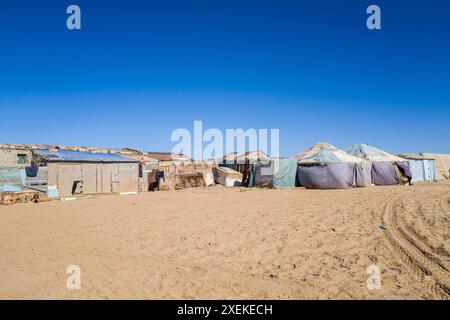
pixel 9 198
pixel 185 174
pixel 192 179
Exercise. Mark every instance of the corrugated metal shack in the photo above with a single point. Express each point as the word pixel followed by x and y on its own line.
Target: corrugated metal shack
pixel 422 168
pixel 142 159
pixel 80 172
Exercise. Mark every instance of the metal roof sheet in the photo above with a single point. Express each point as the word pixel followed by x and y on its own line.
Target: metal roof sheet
pixel 81 156
pixel 414 156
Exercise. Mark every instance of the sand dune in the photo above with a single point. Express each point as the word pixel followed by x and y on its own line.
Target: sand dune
pixel 233 244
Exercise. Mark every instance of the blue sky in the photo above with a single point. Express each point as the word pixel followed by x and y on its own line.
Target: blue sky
pixel 140 69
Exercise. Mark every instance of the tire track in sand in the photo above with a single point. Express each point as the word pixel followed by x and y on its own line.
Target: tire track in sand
pixel 443 207
pixel 444 202
pixel 438 255
pixel 420 258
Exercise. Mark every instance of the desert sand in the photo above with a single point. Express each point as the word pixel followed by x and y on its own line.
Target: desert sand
pixel 221 243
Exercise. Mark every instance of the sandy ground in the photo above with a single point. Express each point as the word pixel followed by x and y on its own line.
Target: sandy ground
pixel 232 243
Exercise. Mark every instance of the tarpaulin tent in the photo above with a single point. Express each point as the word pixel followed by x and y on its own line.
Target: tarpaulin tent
pixel 441 163
pixel 276 173
pixel 384 174
pixel 327 176
pixel 324 166
pixel 387 169
pixel 285 175
pixel 372 154
pixel 363 176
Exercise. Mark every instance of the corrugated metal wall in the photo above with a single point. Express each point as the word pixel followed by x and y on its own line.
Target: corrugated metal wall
pixel 422 170
pixel 96 177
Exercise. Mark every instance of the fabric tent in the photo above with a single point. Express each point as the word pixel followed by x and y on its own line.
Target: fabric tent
pixel 441 163
pixel 384 174
pixel 285 175
pixel 272 173
pixel 363 174
pixel 324 166
pixel 314 149
pixel 387 169
pixel 327 176
pixel 372 154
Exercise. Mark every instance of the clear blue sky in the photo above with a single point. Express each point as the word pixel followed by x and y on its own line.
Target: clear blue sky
pixel 139 69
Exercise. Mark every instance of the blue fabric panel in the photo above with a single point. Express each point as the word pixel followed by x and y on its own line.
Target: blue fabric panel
pixel 286 175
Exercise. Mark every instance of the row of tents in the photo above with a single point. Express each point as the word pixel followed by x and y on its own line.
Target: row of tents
pixel 323 166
